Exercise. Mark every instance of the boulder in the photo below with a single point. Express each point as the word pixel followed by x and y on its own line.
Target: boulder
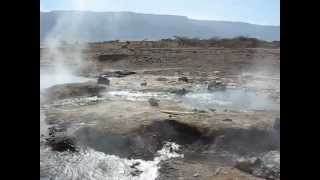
pixel 276 124
pixel 143 84
pixel 246 164
pixel 183 79
pixel 118 74
pixel 62 143
pixel 266 166
pixel 162 79
pixel 103 80
pixel 216 85
pixel 153 102
pixel 269 167
pixel 72 90
pixel 179 92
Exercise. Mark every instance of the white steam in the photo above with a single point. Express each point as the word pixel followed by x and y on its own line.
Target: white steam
pixel 64 47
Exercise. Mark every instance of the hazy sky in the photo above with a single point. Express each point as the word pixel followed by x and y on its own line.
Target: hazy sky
pixel 265 12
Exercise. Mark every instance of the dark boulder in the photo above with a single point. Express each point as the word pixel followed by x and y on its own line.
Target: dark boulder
pixel 118 74
pixel 276 124
pixel 111 57
pixel 216 85
pixel 162 79
pixel 183 79
pixel 143 84
pixel 62 143
pixel 266 166
pixel 72 90
pixel 103 80
pixel 179 92
pixel 153 102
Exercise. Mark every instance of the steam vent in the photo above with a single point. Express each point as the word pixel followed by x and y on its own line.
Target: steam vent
pixel 149 105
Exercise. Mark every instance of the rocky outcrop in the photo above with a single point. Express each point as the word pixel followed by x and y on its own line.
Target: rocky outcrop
pixel 103 80
pixel 153 102
pixel 266 166
pixel 216 85
pixel 72 90
pixel 118 74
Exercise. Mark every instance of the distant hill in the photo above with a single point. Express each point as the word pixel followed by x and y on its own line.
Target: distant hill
pixel 105 26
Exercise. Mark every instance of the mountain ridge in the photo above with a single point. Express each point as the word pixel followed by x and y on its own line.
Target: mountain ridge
pixel 124 25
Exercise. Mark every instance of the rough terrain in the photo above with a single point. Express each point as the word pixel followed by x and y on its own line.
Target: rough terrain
pixel 219 104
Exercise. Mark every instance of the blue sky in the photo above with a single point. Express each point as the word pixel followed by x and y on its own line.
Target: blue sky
pixel 265 12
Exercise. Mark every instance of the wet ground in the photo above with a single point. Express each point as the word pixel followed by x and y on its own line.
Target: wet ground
pixel 192 133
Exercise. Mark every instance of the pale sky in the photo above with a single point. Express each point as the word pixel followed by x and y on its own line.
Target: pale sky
pixel 264 12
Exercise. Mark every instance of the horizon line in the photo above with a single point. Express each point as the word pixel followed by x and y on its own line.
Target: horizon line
pixel 43 11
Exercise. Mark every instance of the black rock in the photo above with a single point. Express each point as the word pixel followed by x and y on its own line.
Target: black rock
pixel 62 143
pixel 266 166
pixel 118 74
pixel 276 124
pixel 72 90
pixel 103 80
pixel 180 92
pixel 246 164
pixel 216 86
pixel 153 102
pixel 162 79
pixel 183 79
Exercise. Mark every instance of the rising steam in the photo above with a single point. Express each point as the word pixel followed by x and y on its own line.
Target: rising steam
pixel 64 47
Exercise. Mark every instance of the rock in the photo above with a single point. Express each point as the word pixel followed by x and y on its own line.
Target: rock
pixel 183 79
pixel 266 166
pixel 227 120
pixel 217 172
pixel 199 111
pixel 72 90
pixel 111 57
pixel 143 84
pixel 269 168
pixel 246 164
pixel 135 164
pixel 162 79
pixel 196 175
pixel 276 124
pixel 153 102
pixel 216 85
pixel 62 143
pixel 180 92
pixel 136 172
pixel 103 80
pixel 118 74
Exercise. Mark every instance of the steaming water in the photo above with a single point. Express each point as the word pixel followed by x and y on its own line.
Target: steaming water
pixel 89 164
pixel 234 99
pixel 237 99
pixel 48 79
